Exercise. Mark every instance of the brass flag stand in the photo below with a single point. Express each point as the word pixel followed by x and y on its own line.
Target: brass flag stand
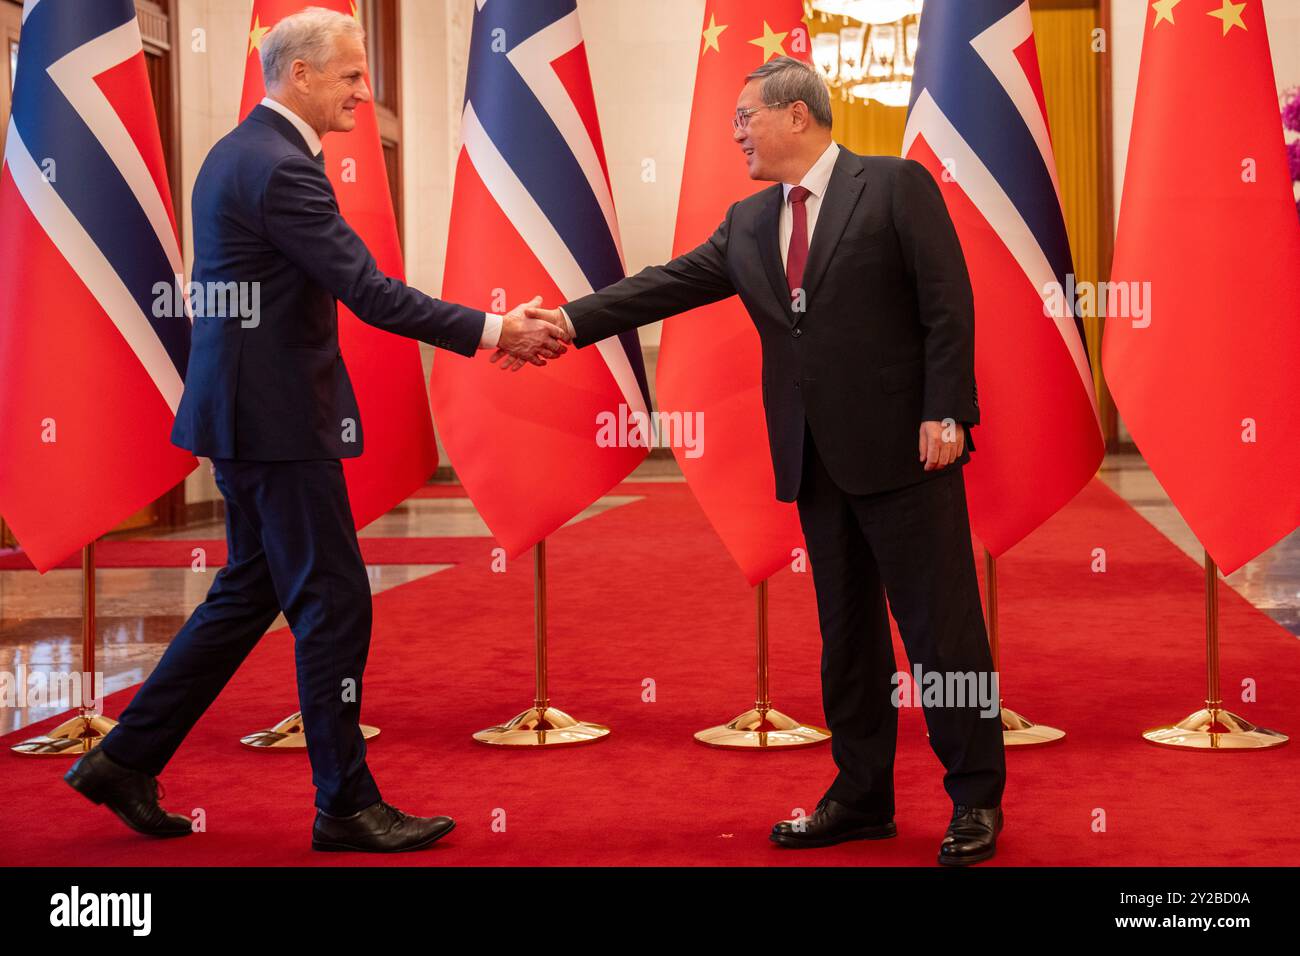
pixel 82 733
pixel 764 726
pixel 1212 727
pixel 290 734
pixel 1016 730
pixel 541 725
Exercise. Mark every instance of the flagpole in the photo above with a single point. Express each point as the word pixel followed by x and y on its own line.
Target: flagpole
pixel 82 733
pixel 1212 727
pixel 763 727
pixel 1016 730
pixel 541 725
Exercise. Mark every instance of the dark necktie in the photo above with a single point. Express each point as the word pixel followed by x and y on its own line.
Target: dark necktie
pixel 797 255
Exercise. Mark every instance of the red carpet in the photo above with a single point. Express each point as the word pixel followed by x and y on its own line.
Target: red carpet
pixel 151 553
pixel 647 592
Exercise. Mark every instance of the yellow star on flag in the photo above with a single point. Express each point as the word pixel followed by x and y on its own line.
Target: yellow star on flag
pixel 711 34
pixel 355 15
pixel 255 35
pixel 1230 15
pixel 1164 11
pixel 770 42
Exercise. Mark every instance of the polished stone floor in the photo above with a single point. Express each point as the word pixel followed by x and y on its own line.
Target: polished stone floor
pixel 1271 582
pixel 139 610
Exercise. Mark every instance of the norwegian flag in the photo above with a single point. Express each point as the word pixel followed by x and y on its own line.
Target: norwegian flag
pixel 532 214
pixel 978 122
pixel 94 331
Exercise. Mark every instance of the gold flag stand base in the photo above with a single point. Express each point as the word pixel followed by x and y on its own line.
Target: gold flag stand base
pixel 541 725
pixel 288 734
pixel 1017 731
pixel 763 727
pixel 72 738
pixel 1212 727
pixel 81 734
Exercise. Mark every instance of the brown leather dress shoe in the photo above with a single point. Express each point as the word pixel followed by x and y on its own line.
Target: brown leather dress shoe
pixel 379 828
pixel 832 822
pixel 972 835
pixel 131 794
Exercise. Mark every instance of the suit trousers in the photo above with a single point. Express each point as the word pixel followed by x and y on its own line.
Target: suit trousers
pixel 292 546
pixel 911 545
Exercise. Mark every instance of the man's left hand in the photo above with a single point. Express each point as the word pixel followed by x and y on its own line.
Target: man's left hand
pixel 941 443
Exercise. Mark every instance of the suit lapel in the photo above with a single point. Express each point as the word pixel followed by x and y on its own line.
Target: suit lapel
pixel 768 232
pixel 842 194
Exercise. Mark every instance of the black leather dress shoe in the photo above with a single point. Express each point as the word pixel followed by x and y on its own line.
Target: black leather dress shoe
pixel 379 828
pixel 131 794
pixel 972 835
pixel 831 823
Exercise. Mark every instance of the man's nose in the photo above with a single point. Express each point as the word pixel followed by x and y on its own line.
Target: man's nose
pixel 739 134
pixel 363 92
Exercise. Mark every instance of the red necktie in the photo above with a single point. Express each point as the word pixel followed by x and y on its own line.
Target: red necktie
pixel 797 255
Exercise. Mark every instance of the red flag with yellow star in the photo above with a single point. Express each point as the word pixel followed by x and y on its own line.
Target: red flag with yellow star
pixel 709 359
pixel 387 375
pixel 1207 379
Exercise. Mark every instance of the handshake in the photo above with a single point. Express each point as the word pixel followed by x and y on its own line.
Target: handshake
pixel 530 335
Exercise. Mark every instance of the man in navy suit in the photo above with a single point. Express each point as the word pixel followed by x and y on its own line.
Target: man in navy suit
pixel 268 399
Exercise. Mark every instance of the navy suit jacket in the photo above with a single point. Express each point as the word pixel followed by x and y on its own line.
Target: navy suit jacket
pixel 886 339
pixel 273 387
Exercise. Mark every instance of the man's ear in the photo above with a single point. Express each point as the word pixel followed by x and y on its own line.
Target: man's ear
pixel 799 115
pixel 298 75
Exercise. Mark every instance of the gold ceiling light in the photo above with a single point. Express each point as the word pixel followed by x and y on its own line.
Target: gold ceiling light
pixel 872 56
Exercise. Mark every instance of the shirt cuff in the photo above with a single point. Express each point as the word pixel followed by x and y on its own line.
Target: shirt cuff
pixel 491 331
pixel 567 324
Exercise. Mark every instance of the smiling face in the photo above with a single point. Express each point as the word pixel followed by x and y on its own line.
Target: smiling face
pixel 766 139
pixel 330 96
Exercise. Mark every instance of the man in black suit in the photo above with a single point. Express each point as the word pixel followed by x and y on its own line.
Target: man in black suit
pixel 853 275
pixel 268 399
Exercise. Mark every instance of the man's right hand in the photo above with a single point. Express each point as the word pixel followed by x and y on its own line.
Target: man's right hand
pixel 526 340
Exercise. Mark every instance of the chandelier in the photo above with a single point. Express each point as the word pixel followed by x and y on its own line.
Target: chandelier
pixel 873 54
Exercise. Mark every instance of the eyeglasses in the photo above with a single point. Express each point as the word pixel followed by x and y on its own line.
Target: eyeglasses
pixel 741 119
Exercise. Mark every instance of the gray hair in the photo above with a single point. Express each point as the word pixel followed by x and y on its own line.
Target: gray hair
pixel 307 35
pixel 786 79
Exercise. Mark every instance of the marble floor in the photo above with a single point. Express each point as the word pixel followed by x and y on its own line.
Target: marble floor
pixel 1271 582
pixel 140 609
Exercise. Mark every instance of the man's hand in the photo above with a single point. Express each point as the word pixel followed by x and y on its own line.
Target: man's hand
pixel 532 312
pixel 941 443
pixel 526 340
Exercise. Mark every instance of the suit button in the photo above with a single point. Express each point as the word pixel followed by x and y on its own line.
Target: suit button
pixel 796 383
pixel 796 332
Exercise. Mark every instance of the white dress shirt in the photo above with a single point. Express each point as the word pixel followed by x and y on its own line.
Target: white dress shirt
pixel 491 327
pixel 815 181
pixel 301 125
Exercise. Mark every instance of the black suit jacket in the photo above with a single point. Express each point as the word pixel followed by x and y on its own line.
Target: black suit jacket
pixel 265 213
pixel 887 339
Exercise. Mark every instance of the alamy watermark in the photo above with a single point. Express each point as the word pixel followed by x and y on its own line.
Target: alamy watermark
pixel 46 688
pixel 1090 300
pixel 956 689
pixel 629 428
pixel 217 300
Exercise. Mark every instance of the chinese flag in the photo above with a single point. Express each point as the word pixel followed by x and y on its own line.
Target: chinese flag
pixel 400 453
pixel 709 359
pixel 1207 381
